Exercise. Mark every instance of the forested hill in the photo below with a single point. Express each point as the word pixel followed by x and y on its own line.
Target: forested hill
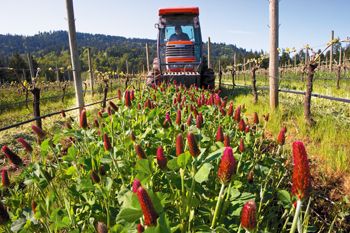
pixel 46 42
pixel 109 53
pixel 57 41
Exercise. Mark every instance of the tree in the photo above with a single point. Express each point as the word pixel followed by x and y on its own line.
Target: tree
pixel 19 66
pixel 285 58
pixel 2 71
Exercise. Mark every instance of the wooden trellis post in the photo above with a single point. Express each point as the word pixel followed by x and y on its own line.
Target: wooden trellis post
pixel 273 66
pixel 36 106
pixel 75 56
pixel 209 56
pixel 30 64
pixel 331 53
pixel 91 71
pixel 147 57
pixel 220 75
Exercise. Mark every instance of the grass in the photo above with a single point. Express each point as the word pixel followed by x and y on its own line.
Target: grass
pixel 327 141
pixel 323 83
pixel 21 112
pixel 327 144
pixel 11 116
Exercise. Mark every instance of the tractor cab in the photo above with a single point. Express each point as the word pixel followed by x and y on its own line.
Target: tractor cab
pixel 179 50
pixel 179 40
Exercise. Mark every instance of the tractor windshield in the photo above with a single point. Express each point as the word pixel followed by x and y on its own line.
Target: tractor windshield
pixel 183 32
pixel 179 28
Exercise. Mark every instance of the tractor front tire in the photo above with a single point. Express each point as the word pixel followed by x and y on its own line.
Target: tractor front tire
pixel 208 79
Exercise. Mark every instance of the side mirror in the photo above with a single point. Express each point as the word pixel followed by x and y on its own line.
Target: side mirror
pixel 196 22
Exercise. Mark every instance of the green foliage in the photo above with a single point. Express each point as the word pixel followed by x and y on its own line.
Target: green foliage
pixel 109 53
pixel 69 198
pixel 328 137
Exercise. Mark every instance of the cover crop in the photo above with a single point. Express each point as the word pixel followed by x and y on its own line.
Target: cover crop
pixel 166 159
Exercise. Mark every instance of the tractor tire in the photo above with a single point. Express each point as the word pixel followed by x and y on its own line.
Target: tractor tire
pixel 208 79
pixel 153 78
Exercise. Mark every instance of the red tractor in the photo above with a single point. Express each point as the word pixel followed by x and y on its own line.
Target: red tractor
pixel 180 50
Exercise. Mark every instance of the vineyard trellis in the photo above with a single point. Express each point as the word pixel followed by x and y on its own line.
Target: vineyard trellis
pixel 344 100
pixel 52 114
pixel 128 82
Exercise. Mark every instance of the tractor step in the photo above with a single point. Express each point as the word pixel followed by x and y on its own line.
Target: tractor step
pixel 180 74
pixel 186 78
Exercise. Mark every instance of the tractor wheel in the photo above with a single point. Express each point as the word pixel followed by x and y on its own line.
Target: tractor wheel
pixel 208 79
pixel 153 78
pixel 153 75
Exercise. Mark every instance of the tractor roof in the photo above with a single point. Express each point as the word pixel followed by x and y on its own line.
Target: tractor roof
pixel 179 10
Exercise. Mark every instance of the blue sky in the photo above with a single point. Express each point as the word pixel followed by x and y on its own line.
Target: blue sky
pixel 240 22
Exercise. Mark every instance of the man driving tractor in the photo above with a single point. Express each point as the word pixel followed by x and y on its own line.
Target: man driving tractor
pixel 178 35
